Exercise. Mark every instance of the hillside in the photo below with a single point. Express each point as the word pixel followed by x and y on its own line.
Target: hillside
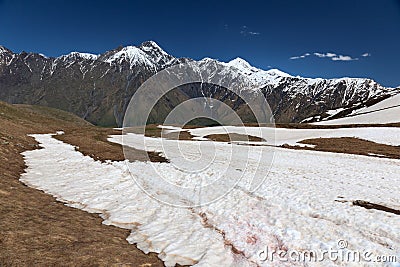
pixel 34 227
pixel 386 111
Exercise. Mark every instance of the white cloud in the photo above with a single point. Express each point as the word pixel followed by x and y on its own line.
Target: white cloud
pixel 343 58
pixel 329 55
pixel 366 55
pixel 302 56
pixel 325 55
pixel 245 31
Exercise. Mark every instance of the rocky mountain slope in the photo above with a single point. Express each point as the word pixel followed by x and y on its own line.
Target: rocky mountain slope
pixel 98 88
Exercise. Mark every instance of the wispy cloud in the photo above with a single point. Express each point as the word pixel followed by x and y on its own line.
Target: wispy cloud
pixel 244 30
pixel 328 55
pixel 366 55
pixel 302 56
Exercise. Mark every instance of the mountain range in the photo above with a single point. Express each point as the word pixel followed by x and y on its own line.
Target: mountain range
pixel 98 88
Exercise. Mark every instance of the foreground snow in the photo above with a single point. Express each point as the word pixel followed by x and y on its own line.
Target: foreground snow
pixel 295 209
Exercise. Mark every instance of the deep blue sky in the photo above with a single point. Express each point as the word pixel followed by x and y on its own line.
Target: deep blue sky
pixel 265 33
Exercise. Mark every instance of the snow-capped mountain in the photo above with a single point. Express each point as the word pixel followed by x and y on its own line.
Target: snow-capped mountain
pixel 148 55
pixel 258 77
pixel 99 87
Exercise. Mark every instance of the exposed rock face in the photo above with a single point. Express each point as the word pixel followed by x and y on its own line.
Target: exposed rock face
pixel 98 88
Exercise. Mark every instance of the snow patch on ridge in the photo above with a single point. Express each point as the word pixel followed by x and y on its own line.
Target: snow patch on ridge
pixel 74 55
pixel 131 54
pixel 256 77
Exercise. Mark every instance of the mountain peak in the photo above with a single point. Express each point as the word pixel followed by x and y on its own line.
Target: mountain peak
pixel 239 63
pixel 150 44
pixel 131 54
pixel 152 47
pixel 87 56
pixel 207 59
pixel 156 53
pixel 4 50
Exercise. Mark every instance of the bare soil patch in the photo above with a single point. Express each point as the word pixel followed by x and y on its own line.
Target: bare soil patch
pixel 350 145
pixel 152 130
pixel 92 141
pixel 233 137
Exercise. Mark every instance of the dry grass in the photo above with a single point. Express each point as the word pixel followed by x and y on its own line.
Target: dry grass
pixel 233 137
pixel 350 145
pixel 93 142
pixel 152 130
pixel 34 228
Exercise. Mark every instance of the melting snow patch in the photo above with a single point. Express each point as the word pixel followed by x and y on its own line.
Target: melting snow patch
pixel 177 234
pixel 295 209
pixel 280 136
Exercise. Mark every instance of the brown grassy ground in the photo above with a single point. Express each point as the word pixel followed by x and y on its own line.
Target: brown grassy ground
pixel 350 145
pixel 37 230
pixel 153 130
pixel 93 142
pixel 233 137
pixel 34 228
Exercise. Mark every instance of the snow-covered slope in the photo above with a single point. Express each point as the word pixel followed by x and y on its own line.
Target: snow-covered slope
pixel 258 77
pixel 131 54
pixel 78 55
pixel 148 54
pixel 386 111
pixel 6 56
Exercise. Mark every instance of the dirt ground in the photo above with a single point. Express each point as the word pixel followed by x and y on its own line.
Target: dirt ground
pixel 93 142
pixel 153 130
pixel 233 137
pixel 35 229
pixel 350 145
